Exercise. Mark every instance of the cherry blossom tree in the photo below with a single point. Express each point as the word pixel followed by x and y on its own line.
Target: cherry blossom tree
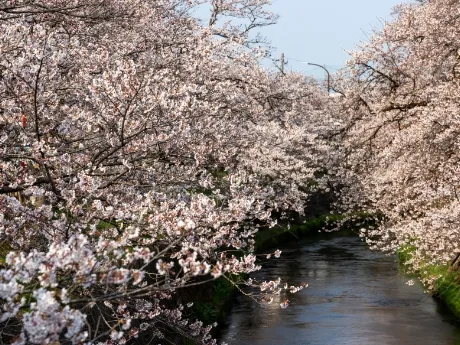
pixel 141 150
pixel 399 105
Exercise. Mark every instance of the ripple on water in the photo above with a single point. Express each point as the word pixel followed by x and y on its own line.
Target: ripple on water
pixel 355 296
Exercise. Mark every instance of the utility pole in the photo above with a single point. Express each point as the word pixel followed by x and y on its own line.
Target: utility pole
pixel 282 63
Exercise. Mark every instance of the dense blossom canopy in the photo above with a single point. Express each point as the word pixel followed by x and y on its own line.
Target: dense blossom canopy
pixel 141 150
pixel 401 105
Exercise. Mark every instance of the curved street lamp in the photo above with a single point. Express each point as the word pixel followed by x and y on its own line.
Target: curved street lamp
pixel 328 75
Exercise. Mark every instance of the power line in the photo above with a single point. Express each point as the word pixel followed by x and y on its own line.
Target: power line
pixel 336 67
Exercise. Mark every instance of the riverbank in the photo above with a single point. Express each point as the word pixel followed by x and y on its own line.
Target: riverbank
pixel 337 223
pixel 270 238
pixel 441 281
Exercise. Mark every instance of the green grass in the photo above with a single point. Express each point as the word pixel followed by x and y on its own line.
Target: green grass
pixel 213 309
pixel 206 312
pixel 5 248
pixel 448 290
pixel 446 285
pixel 270 238
pixel 405 253
pixel 105 225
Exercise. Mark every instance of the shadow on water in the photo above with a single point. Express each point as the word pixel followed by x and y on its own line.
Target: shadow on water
pixel 355 296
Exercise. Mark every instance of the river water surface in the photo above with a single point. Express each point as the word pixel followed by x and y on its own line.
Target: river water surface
pixel 355 296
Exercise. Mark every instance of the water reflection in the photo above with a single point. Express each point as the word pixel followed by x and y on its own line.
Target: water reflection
pixel 355 296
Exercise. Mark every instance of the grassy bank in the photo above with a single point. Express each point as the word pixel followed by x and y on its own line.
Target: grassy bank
pixel 279 235
pixel 213 306
pixel 444 281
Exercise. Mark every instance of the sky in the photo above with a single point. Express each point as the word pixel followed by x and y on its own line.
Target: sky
pixel 319 31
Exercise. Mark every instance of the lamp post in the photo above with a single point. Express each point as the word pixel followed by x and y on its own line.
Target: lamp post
pixel 328 75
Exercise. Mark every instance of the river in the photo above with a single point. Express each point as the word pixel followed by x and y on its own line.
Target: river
pixel 355 296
